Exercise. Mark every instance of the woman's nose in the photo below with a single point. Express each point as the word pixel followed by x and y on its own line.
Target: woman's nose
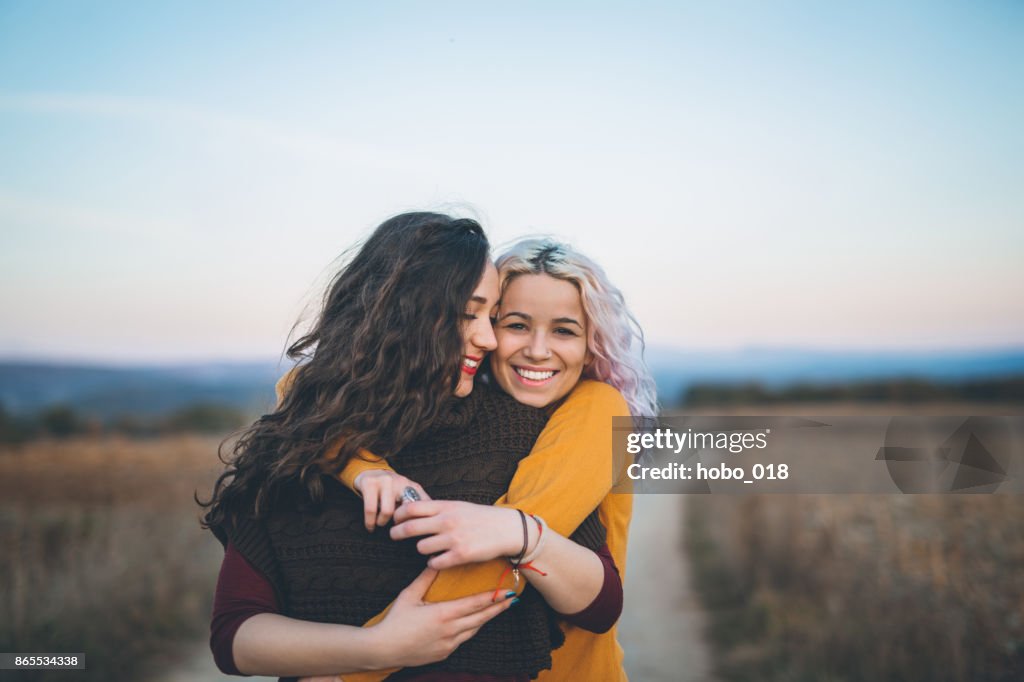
pixel 483 336
pixel 538 348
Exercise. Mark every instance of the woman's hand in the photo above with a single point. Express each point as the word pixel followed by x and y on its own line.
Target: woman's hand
pixel 416 633
pixel 381 490
pixel 424 633
pixel 461 532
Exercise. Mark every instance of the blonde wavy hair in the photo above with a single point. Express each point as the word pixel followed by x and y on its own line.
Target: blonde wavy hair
pixel 614 337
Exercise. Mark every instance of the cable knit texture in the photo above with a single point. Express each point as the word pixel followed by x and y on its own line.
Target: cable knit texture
pixel 326 567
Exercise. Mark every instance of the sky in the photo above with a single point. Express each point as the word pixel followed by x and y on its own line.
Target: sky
pixel 177 180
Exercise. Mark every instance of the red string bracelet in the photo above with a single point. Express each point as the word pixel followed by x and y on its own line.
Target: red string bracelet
pixel 519 563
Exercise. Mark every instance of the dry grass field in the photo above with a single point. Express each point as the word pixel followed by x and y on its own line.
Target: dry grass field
pixel 103 553
pixel 869 587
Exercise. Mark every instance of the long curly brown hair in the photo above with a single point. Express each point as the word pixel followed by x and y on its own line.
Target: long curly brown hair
pixel 376 369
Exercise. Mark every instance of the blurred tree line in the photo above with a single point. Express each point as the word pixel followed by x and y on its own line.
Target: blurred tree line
pixel 63 421
pixel 909 390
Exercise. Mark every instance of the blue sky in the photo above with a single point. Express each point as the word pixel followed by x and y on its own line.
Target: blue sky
pixel 176 179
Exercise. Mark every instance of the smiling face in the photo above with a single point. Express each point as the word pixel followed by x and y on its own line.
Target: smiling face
pixel 477 332
pixel 542 339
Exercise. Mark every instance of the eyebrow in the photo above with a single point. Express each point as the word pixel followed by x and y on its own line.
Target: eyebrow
pixel 478 299
pixel 559 320
pixel 567 320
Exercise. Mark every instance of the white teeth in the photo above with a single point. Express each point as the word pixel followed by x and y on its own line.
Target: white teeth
pixel 470 363
pixel 534 376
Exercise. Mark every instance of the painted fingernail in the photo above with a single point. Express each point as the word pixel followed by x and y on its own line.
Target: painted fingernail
pixel 510 593
pixel 516 600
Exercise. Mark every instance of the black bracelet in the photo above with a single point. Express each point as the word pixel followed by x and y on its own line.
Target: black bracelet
pixel 526 541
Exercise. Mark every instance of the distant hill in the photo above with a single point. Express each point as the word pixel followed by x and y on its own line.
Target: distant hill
pixel 107 392
pixel 1004 390
pixel 676 370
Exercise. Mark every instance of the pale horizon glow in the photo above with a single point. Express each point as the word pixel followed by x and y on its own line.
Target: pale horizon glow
pixel 176 182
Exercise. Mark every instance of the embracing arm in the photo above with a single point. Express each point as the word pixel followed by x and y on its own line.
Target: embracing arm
pixel 249 636
pixel 568 575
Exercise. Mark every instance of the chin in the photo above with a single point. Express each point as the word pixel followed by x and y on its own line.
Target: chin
pixel 531 399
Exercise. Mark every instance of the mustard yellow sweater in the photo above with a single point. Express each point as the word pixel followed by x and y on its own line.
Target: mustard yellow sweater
pixel 570 471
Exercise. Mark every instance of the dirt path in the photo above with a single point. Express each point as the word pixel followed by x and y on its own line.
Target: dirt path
pixel 661 624
pixel 662 621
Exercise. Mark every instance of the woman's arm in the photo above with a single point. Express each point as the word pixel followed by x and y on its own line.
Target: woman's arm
pixel 601 614
pixel 249 637
pixel 568 575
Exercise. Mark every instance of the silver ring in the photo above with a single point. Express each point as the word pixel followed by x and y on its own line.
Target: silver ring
pixel 410 494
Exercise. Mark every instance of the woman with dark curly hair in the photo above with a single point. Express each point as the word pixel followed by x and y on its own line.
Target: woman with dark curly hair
pixel 402 330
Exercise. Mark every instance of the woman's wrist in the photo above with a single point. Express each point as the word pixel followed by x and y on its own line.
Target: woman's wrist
pixel 520 544
pixel 377 654
pixel 367 649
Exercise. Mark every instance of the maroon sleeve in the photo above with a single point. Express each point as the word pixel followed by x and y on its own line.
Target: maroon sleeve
pixel 242 592
pixel 600 615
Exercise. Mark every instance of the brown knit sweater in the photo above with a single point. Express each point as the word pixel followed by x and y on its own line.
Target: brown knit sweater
pixel 325 567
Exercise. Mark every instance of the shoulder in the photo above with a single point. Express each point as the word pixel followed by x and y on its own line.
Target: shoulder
pixel 590 394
